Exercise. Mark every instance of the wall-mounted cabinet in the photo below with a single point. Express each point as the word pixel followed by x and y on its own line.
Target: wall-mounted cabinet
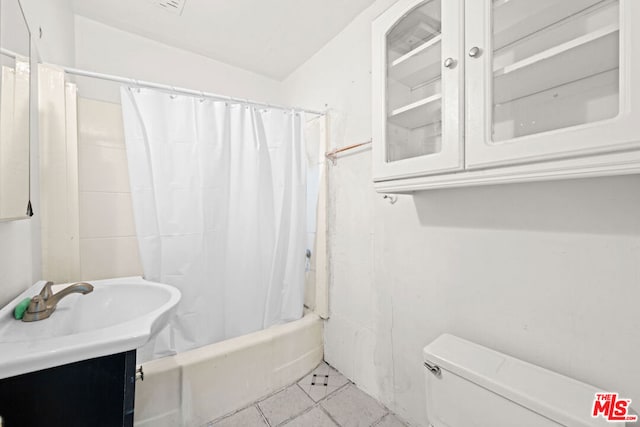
pixel 488 91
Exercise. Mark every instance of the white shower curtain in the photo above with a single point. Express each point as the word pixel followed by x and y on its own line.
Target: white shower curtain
pixel 220 204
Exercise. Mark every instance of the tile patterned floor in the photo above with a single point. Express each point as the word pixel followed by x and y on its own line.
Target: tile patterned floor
pixel 324 398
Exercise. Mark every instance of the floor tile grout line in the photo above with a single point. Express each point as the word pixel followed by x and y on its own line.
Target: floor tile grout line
pixel 287 421
pixel 257 403
pixel 305 393
pixel 264 417
pixel 334 392
pixel 328 415
pixel 229 415
pixel 375 423
pixel 278 391
pixel 315 404
pixel 392 414
pixel 326 396
pixel 304 411
pixel 379 420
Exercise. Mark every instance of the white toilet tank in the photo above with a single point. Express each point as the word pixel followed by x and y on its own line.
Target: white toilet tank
pixel 474 386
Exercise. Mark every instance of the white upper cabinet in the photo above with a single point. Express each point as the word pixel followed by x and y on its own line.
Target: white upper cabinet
pixel 543 89
pixel 553 78
pixel 419 117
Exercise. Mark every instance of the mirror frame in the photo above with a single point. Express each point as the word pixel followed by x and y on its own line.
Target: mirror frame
pixel 5 52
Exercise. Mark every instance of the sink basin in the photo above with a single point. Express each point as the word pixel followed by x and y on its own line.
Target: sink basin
pixel 119 315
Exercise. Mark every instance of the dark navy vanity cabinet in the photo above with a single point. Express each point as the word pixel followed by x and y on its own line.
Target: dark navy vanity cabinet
pixel 96 392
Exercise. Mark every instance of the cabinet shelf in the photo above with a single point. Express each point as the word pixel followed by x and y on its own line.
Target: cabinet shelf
pixel 562 64
pixel 420 65
pixel 418 114
pixel 515 19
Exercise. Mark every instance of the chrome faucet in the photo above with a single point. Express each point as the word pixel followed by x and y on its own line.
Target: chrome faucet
pixel 43 304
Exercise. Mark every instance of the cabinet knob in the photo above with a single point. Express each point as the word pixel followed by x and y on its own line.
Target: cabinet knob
pixel 475 52
pixel 449 62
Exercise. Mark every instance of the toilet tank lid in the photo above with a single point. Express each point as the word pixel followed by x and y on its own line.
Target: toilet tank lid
pixel 560 398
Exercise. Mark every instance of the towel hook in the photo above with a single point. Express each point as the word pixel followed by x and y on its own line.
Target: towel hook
pixel 391 198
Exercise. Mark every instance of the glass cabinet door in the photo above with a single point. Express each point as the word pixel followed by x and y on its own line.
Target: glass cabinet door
pixel 416 83
pixel 549 79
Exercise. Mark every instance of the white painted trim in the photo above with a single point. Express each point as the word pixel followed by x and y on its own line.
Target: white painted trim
pixel 58 176
pixel 587 167
pixel 322 254
pixel 73 194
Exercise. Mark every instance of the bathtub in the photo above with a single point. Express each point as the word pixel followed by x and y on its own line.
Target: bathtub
pixel 197 386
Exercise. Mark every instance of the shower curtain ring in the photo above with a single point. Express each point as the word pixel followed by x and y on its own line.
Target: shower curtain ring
pixel 173 95
pixel 202 97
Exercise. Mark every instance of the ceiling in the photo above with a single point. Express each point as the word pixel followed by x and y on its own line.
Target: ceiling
pixel 269 37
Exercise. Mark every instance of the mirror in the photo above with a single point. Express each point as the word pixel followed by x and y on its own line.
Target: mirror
pixel 15 53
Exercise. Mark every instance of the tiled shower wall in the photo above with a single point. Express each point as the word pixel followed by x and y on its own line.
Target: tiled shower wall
pixel 108 246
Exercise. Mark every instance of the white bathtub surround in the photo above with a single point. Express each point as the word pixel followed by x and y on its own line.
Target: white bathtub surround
pixel 300 406
pixel 86 213
pixel 58 175
pixel 107 231
pixel 219 192
pixel 316 289
pixel 204 384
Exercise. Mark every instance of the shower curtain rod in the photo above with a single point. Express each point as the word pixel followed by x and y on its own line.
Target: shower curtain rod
pixel 173 89
pixel 9 53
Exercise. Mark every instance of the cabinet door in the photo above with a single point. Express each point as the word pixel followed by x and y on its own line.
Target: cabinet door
pixel 550 79
pixel 417 89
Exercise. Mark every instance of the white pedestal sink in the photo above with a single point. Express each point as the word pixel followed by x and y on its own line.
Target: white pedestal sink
pixel 119 315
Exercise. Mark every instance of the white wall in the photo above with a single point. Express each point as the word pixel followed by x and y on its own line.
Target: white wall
pixel 109 50
pixel 546 272
pixel 55 18
pixel 15 259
